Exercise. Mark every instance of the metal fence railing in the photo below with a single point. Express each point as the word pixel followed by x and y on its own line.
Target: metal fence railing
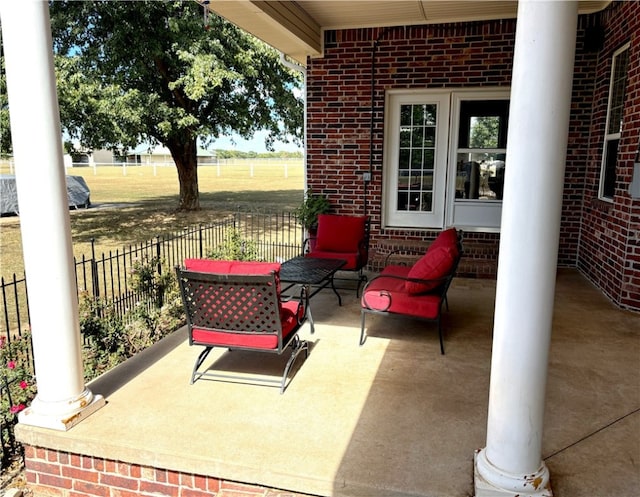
pixel 106 276
pixel 276 237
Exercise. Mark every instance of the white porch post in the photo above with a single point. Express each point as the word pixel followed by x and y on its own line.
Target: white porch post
pixel 62 398
pixel 511 463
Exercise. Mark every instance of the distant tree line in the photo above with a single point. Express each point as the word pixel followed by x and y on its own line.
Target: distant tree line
pixel 236 154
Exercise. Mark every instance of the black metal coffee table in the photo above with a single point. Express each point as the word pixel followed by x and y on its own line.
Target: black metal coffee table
pixel 312 273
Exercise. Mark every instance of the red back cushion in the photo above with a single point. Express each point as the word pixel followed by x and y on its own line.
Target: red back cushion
pixel 436 263
pixel 231 267
pixel 340 233
pixel 448 239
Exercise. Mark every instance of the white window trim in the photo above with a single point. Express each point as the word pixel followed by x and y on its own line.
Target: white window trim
pixel 609 136
pixel 414 220
pixel 491 208
pixel 485 209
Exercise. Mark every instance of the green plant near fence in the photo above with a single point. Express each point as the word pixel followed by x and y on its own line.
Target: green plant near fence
pixel 111 338
pixel 17 389
pixel 235 247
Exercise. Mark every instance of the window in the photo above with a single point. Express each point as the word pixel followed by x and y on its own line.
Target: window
pixel 445 155
pixel 415 158
pixel 613 126
pixel 478 158
pixel 416 161
pixel 482 146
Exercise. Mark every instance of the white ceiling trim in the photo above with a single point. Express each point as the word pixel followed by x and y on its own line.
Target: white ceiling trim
pixel 296 27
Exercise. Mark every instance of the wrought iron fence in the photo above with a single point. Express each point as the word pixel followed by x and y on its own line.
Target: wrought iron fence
pixel 276 237
pixel 106 276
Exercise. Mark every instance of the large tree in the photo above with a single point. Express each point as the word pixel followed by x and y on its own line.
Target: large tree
pixel 5 133
pixel 152 72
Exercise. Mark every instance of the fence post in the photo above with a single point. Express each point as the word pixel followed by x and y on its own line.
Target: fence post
pixel 200 235
pixel 6 308
pixel 95 286
pixel 158 253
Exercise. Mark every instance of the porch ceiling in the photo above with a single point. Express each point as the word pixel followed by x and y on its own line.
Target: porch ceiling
pixel 295 27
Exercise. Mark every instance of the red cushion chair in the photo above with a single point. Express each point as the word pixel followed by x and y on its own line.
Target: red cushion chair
pixel 342 237
pixel 436 262
pixel 237 305
pixel 416 291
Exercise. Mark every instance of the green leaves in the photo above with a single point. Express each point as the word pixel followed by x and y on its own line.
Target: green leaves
pixel 131 55
pixel 149 71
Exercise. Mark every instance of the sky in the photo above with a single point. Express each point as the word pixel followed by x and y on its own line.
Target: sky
pixel 256 144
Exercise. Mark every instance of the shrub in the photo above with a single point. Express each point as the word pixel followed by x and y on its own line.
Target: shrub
pixel 16 385
pixel 151 280
pixel 110 338
pixel 234 248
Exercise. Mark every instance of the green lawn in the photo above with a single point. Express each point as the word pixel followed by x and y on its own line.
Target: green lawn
pixel 136 203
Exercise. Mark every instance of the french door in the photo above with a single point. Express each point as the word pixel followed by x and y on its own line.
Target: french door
pixel 415 169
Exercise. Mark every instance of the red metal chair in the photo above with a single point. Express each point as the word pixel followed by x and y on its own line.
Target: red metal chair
pixel 342 237
pixel 417 291
pixel 237 305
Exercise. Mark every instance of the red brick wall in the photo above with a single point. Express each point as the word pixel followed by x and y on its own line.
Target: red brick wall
pixel 340 118
pixel 609 252
pixel 51 473
pixel 342 129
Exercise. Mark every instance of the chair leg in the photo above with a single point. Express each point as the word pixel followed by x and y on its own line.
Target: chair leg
pixel 362 336
pixel 203 355
pixel 440 335
pixel 298 346
pixel 333 287
pixel 362 279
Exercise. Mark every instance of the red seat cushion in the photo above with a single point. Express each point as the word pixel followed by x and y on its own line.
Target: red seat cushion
pixel 225 338
pixel 389 294
pixel 340 233
pixel 436 263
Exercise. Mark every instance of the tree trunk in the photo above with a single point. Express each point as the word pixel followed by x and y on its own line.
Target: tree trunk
pixel 185 154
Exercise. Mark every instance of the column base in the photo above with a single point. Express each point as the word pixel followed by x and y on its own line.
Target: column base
pixel 489 481
pixel 60 421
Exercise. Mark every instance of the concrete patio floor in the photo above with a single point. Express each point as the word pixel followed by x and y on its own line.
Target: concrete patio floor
pixel 390 418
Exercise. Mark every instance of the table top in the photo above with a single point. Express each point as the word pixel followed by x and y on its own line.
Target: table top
pixel 309 270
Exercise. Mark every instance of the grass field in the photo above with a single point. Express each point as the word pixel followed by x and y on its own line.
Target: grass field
pixel 137 203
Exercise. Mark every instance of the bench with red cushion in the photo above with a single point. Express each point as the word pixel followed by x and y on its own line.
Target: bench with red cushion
pixel 416 291
pixel 237 305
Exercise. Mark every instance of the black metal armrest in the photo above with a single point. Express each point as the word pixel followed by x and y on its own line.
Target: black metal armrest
pixel 303 303
pixel 438 281
pixel 404 252
pixel 406 278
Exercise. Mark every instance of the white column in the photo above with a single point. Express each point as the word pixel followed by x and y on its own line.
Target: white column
pixel 511 463
pixel 62 398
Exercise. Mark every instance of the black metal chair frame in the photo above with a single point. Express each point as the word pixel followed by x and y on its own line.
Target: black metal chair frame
pixel 440 290
pixel 240 306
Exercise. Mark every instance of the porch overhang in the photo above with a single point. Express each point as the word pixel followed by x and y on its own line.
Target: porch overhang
pixel 296 28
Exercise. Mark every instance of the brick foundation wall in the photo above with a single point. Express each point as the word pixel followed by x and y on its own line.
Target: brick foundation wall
pixel 609 252
pixel 51 473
